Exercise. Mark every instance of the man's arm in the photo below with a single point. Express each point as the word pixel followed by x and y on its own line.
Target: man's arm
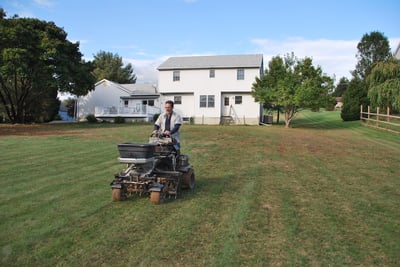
pixel 175 129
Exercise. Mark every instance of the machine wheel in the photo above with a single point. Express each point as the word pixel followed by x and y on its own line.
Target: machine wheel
pixel 155 197
pixel 116 194
pixel 188 180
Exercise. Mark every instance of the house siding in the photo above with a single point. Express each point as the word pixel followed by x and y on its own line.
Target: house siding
pixel 105 94
pixel 197 82
pixel 107 101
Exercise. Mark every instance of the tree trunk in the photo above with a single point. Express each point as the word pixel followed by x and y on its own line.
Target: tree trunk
pixel 290 111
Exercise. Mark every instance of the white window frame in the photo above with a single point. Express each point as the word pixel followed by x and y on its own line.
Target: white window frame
pixel 178 99
pixel 240 74
pixel 207 101
pixel 176 76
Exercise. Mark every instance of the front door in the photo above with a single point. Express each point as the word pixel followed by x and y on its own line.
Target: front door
pixel 225 105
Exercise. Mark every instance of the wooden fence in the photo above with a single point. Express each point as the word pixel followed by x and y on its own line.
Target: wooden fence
pixel 380 120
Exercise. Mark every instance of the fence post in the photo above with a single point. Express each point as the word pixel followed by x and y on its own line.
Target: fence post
pixel 369 114
pixel 361 113
pixel 387 116
pixel 377 117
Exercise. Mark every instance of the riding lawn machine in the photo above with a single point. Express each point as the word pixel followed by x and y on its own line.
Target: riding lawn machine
pixel 154 169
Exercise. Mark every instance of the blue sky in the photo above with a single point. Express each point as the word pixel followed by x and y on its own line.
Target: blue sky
pixel 146 32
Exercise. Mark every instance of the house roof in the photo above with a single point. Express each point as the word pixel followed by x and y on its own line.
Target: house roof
pixel 212 62
pixel 141 88
pixel 134 89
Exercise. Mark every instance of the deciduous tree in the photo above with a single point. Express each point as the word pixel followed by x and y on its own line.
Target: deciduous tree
pixel 384 85
pixel 37 61
pixel 292 84
pixel 109 66
pixel 341 87
pixel 373 47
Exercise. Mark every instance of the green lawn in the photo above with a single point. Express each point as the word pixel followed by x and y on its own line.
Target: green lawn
pixel 322 193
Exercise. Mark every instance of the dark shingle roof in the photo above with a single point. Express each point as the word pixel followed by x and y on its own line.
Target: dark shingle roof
pixel 210 62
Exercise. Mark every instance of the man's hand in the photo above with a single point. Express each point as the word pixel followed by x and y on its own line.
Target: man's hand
pixel 167 133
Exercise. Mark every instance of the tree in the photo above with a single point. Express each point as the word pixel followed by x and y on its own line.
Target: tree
pixel 109 66
pixel 37 61
pixel 292 84
pixel 354 97
pixel 373 47
pixel 341 87
pixel 2 13
pixel 384 85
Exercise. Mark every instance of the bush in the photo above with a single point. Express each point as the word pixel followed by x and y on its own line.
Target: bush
pixel 355 95
pixel 57 117
pixel 119 119
pixel 91 118
pixel 155 117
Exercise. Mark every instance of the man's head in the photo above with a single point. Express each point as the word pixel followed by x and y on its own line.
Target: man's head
pixel 169 106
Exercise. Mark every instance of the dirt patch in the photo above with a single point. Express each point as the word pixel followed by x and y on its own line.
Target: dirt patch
pixel 35 130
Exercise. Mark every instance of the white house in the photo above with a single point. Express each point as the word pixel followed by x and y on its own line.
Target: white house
pixel 396 53
pixel 135 102
pixel 212 89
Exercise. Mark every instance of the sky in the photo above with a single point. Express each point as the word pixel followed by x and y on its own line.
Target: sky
pixel 147 32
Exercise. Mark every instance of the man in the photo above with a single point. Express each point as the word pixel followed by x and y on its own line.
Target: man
pixel 168 123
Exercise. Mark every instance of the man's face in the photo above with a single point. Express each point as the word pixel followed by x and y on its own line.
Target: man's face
pixel 168 108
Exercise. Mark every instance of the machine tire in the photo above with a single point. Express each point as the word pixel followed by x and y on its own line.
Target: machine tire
pixel 189 180
pixel 155 197
pixel 116 194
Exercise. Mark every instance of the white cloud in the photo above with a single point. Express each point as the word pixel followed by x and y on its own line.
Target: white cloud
pixel 44 3
pixel 145 70
pixel 336 57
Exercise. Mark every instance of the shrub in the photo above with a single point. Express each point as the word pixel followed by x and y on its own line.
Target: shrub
pixel 57 117
pixel 330 104
pixel 91 118
pixel 155 117
pixel 119 119
pixel 355 95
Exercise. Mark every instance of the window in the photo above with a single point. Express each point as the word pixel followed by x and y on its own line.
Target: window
pixel 210 101
pixel 240 74
pixel 207 101
pixel 212 73
pixel 238 99
pixel 203 101
pixel 176 76
pixel 226 101
pixel 148 102
pixel 126 103
pixel 178 99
